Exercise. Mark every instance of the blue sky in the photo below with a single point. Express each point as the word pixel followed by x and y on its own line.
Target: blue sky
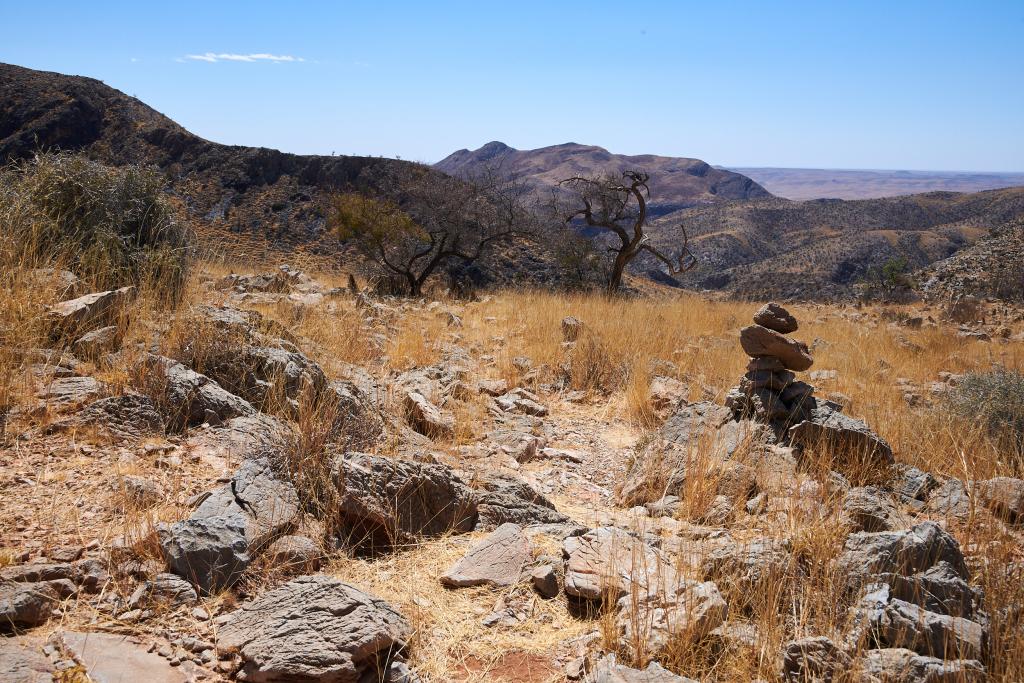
pixel 908 85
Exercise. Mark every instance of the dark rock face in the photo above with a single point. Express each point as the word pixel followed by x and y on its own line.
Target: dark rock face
pixel 210 552
pixel 383 503
pixel 315 628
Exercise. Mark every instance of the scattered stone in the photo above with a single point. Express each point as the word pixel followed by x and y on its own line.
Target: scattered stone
pixel 545 581
pixel 899 665
pixel 426 418
pixel 171 589
pixel 128 416
pixel 67 391
pixel 608 670
pixel 383 503
pixel 665 507
pixel 297 553
pixel 210 552
pixel 314 628
pixel 508 498
pixel 497 560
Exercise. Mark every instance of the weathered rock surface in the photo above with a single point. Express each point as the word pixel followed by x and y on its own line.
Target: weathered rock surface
pixel 240 439
pixel 194 396
pixel 689 609
pixel 315 628
pixel 759 341
pixel 91 311
pixel 750 564
pixel 608 670
pixel 607 563
pixel 847 440
pixel 22 662
pixel 94 344
pixel 869 508
pixel 383 502
pixel 294 553
pixel 508 498
pixel 900 552
pixel 62 392
pixel 776 318
pixel 950 501
pixel 899 665
pixel 26 605
pixel 1004 496
pixel 111 658
pixel 128 416
pixel 497 560
pixel 210 552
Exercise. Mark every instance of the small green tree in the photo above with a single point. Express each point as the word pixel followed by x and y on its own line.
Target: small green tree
pixel 889 278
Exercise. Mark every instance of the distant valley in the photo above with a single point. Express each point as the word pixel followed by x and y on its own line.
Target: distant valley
pixel 820 183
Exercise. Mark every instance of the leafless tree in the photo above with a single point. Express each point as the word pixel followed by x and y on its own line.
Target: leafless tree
pixel 413 220
pixel 617 205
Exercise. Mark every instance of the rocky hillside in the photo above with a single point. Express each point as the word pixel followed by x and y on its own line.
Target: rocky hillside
pixel 992 267
pixel 676 183
pixel 821 248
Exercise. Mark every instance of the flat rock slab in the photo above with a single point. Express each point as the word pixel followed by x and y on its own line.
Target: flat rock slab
pixel 23 662
pixel 608 562
pixel 111 658
pixel 760 342
pixel 314 628
pixel 497 560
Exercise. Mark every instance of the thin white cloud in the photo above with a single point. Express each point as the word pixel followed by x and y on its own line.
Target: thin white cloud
pixel 254 57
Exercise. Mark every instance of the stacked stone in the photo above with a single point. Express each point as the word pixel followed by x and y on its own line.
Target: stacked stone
pixel 769 391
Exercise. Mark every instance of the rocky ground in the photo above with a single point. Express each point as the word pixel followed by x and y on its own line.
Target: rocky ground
pixel 288 481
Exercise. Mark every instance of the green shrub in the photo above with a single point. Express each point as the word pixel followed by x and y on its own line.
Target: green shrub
pixel 996 400
pixel 110 226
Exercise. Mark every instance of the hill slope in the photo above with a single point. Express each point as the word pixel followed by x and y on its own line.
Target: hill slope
pixel 819 249
pixel 819 183
pixel 676 183
pixel 263 193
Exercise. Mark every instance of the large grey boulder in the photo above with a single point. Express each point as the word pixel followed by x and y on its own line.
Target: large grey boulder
pixel 313 629
pixel 608 670
pixel 210 552
pixel 194 396
pixel 608 563
pixel 26 605
pixel 900 665
pixel 759 342
pixel 497 560
pixel 847 440
pixel 507 498
pixel 216 543
pixel 23 662
pixel 383 503
pixel 866 554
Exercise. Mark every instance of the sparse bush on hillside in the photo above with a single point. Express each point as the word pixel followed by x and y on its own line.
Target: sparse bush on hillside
pixel 996 400
pixel 890 281
pixel 111 226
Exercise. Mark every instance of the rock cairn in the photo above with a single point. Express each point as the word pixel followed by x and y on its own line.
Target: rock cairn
pixel 769 392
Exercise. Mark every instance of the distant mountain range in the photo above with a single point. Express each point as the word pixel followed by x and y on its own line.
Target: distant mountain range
pixel 676 183
pixel 818 183
pixel 748 242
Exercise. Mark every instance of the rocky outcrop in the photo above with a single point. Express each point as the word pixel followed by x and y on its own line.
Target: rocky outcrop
pixel 505 498
pixel 384 503
pixel 89 312
pixel 315 629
